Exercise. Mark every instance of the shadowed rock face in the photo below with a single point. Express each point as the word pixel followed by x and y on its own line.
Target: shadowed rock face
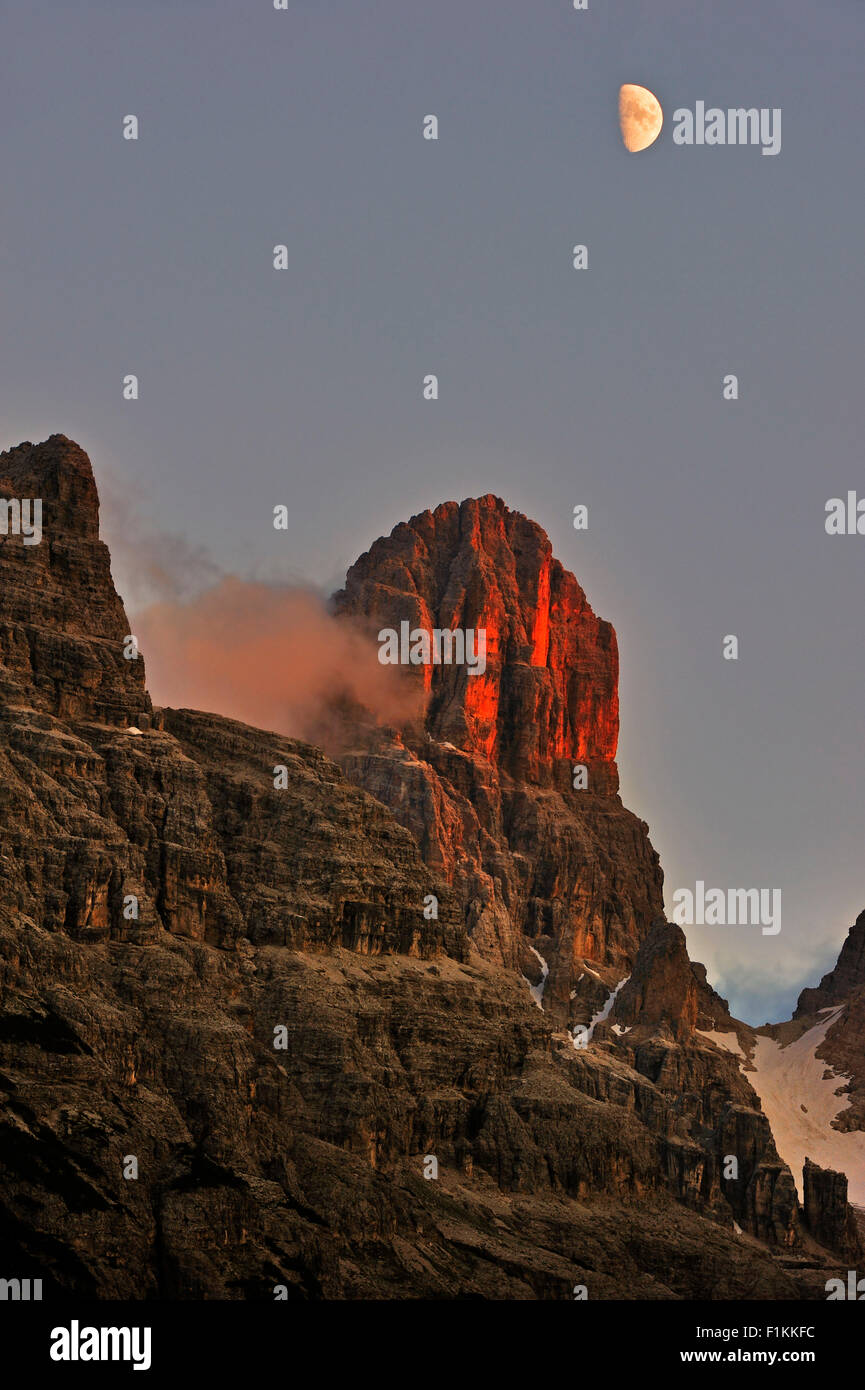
pixel 281 1038
pixel 486 786
pixel 657 1022
pixel 62 626
pixel 843 1048
pixel 846 979
pixel 827 1214
pixel 665 991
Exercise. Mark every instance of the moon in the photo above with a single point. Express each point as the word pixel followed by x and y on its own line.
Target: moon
pixel 640 117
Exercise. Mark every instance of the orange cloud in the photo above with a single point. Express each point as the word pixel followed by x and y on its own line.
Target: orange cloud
pixel 271 656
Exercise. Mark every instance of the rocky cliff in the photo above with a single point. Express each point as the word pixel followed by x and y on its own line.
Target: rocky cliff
pixel 62 626
pixel 810 1074
pixel 827 1213
pixel 842 992
pixel 239 1055
pixel 557 880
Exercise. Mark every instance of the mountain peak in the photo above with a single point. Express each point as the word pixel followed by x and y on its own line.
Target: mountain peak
pixel 510 786
pixel 547 696
pixel 847 975
pixel 63 628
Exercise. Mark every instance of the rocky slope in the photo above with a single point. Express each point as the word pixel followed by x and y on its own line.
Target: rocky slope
pixel 810 1073
pixel 552 877
pixel 807 1072
pixel 62 625
pixel 231 1041
pixel 843 992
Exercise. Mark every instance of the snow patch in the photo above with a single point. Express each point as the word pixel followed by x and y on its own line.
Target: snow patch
pixel 537 991
pixel 604 1013
pixel 788 1078
pixel 729 1041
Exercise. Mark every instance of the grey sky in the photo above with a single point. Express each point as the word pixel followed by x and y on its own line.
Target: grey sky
pixel 557 386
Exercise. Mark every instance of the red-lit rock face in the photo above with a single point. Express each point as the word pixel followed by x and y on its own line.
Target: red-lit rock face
pixel 549 696
pixel 486 785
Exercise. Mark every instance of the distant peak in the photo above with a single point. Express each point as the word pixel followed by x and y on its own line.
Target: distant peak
pixel 847 976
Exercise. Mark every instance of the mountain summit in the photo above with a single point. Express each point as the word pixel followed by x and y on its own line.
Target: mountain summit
pixel 549 695
pixel 426 1035
pixel 62 626
pixel 510 788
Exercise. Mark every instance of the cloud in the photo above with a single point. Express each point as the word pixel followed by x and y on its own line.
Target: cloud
pixel 269 654
pixel 272 656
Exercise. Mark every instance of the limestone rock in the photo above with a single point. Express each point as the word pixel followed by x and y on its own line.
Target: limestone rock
pixel 827 1214
pixel 236 986
pixel 62 626
pixel 486 784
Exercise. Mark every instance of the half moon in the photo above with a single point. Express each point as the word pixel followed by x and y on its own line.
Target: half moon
pixel 640 117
